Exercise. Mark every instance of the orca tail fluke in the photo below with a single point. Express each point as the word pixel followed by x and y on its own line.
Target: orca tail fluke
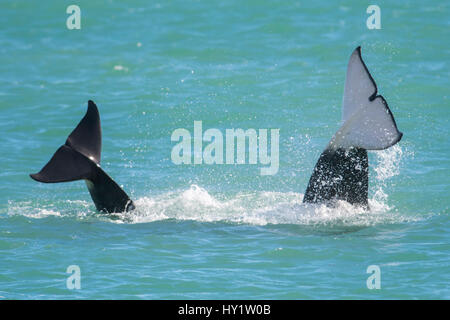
pixel 86 138
pixel 65 165
pixel 79 159
pixel 342 171
pixel 367 121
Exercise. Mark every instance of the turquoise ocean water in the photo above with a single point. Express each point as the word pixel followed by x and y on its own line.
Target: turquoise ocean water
pixel 221 231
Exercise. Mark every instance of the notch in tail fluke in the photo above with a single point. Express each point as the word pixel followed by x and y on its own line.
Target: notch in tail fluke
pixel 342 171
pixel 367 121
pixel 79 159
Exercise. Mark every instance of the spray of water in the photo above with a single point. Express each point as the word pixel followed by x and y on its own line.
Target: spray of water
pixel 387 166
pixel 255 208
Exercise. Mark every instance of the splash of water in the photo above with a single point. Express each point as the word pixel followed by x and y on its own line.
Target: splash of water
pixel 255 208
pixel 387 166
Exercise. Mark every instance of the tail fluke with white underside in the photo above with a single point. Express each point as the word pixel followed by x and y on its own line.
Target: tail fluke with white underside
pixel 342 171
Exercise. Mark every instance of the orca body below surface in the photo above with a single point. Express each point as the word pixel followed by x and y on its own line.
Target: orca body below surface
pixel 79 159
pixel 342 171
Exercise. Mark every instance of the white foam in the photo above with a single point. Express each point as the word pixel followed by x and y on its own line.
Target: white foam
pixel 27 209
pixel 255 208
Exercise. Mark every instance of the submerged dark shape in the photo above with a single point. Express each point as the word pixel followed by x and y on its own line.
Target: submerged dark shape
pixel 342 171
pixel 79 159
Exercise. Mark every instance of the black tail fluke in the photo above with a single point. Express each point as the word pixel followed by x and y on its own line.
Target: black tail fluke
pixel 65 165
pixel 79 159
pixel 86 138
